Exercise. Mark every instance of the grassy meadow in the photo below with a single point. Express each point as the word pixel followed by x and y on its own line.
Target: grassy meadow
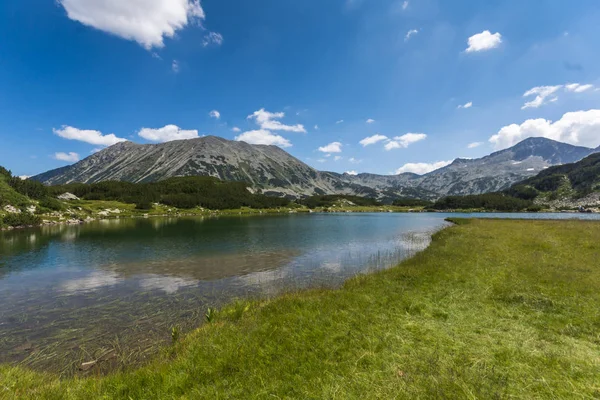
pixel 492 309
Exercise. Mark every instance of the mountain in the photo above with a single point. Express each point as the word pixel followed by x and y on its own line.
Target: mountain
pixel 501 169
pixel 492 173
pixel 274 171
pixel 267 168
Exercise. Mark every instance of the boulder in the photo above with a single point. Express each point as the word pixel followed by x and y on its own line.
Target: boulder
pixel 67 196
pixel 12 210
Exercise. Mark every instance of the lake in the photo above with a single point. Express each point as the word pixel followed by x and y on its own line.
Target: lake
pixel 113 289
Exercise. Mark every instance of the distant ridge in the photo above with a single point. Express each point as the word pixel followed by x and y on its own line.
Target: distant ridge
pixel 274 171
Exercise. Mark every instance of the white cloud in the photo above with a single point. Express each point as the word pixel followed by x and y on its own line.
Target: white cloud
pixel 548 94
pixel 341 121
pixel 337 158
pixel 410 33
pixel 404 141
pixel 316 127
pixel 68 157
pixel 467 105
pixel 370 121
pixel 335 147
pixel 484 41
pixel 212 38
pixel 167 133
pixel 175 66
pixel 474 145
pixel 262 136
pixel 87 136
pixel 422 168
pixel 578 88
pixel 405 4
pixel 354 160
pixel 147 22
pixel 372 140
pixel 94 151
pixel 215 114
pixel 353 173
pixel 577 128
pixel 321 160
pixel 269 121
pixel 543 95
pixel 236 129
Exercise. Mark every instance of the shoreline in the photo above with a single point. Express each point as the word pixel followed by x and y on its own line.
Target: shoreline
pixel 271 212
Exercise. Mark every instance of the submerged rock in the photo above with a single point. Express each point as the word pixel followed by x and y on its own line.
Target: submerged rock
pixel 87 365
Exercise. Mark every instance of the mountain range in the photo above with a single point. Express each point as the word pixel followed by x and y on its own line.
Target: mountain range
pixel 273 171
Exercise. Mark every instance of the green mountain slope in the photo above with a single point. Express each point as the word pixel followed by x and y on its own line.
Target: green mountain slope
pixel 8 195
pixel 568 181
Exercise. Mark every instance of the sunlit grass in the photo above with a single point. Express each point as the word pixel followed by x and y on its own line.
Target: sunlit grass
pixel 492 309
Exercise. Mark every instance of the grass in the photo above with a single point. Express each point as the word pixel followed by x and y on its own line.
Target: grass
pixel 492 309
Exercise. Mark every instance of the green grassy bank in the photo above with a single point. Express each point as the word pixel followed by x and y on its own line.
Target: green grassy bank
pixel 492 309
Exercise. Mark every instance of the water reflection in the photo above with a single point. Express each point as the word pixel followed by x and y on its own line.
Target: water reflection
pixel 94 281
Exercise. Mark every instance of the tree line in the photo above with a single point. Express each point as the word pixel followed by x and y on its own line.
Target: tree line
pixel 182 192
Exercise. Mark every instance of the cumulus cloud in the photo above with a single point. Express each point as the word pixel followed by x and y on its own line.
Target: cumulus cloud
pixel 410 33
pixel 370 121
pixel 337 158
pixel 262 136
pixel 422 168
pixel 466 105
pixel 484 41
pixel 402 142
pixel 334 147
pixel 316 127
pixel 353 173
pixel 474 145
pixel 354 161
pixel 577 128
pixel 548 94
pixel 147 22
pixel 341 121
pixel 215 114
pixel 87 136
pixel 68 157
pixel 372 140
pixel 167 133
pixel 269 121
pixel 236 129
pixel 212 38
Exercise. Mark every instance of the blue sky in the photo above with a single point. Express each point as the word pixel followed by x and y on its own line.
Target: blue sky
pixel 380 86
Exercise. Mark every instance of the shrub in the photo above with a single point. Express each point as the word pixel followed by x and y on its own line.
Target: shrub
pixel 144 205
pixel 23 219
pixel 51 204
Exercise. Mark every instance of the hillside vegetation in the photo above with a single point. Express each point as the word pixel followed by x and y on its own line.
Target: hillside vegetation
pixel 183 192
pixel 492 309
pixel 574 180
